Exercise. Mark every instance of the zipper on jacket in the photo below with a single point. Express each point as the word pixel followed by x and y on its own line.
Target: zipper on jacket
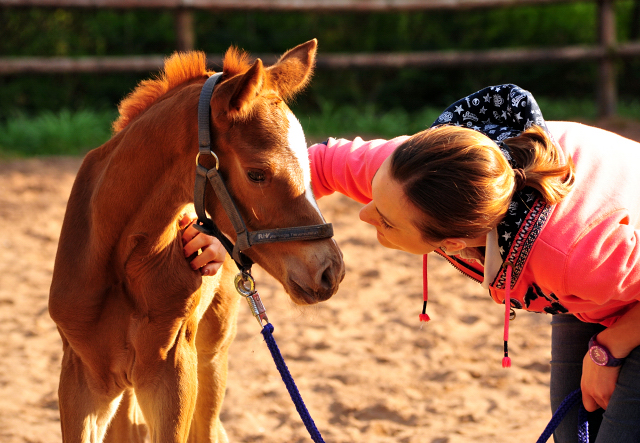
pixel 452 261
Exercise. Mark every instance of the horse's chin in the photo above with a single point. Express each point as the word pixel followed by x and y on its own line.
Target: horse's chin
pixel 310 292
pixel 301 297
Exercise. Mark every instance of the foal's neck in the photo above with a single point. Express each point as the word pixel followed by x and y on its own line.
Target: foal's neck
pixel 149 172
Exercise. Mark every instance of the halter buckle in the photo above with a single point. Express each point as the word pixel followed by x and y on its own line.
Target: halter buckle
pixel 246 287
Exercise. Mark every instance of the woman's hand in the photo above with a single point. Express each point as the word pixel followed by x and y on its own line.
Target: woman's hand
pixel 213 253
pixel 598 383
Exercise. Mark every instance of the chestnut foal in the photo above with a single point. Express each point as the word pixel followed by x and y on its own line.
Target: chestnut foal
pixel 146 338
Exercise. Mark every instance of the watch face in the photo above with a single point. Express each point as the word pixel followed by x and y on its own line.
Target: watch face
pixel 598 355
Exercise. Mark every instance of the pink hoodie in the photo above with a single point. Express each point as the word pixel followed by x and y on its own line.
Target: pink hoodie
pixel 581 256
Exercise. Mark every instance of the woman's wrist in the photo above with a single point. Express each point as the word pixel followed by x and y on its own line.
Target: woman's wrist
pixel 619 347
pixel 601 355
pixel 623 336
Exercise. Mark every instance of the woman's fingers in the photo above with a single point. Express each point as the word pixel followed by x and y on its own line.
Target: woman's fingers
pixel 598 384
pixel 589 402
pixel 194 241
pixel 185 220
pixel 189 234
pixel 211 257
pixel 212 253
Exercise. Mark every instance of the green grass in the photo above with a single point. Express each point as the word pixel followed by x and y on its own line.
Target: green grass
pixel 74 133
pixel 569 110
pixel 62 133
pixel 367 121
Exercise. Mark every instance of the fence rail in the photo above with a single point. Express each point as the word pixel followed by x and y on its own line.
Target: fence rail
pixel 605 53
pixel 397 60
pixel 281 5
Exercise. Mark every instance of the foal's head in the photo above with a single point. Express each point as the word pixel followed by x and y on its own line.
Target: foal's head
pixel 263 159
pixel 261 150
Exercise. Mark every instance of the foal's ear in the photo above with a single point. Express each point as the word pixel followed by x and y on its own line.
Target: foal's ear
pixel 293 71
pixel 247 88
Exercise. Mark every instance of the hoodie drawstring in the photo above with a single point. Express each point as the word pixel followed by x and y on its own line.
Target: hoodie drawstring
pixel 425 291
pixel 424 317
pixel 506 360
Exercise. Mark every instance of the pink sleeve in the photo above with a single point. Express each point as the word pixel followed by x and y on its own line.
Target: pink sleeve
pixel 348 166
pixel 604 266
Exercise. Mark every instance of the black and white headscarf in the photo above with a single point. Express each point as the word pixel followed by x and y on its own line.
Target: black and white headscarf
pixel 500 112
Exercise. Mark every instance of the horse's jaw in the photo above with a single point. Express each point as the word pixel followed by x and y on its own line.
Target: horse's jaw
pixel 309 271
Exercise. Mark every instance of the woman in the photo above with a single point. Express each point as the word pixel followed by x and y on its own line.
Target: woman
pixel 545 216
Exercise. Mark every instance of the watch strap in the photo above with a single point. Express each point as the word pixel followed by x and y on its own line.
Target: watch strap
pixel 611 360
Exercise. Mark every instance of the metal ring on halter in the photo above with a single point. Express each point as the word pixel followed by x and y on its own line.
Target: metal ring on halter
pixel 214 156
pixel 241 281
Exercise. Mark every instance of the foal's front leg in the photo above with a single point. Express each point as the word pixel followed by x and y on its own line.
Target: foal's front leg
pixel 216 332
pixel 87 404
pixel 166 388
pixel 128 425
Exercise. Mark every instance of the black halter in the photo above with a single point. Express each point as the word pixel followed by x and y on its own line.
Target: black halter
pixel 245 239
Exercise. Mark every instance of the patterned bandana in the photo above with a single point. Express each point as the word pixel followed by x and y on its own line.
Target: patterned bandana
pixel 500 112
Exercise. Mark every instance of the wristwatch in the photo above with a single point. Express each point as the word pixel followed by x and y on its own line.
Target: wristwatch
pixel 601 355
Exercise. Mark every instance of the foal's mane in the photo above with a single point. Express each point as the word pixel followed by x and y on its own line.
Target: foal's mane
pixel 179 68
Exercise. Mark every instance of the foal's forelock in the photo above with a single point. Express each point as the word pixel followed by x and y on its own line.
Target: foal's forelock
pixel 298 145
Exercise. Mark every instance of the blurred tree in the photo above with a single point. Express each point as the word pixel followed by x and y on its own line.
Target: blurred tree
pixel 50 32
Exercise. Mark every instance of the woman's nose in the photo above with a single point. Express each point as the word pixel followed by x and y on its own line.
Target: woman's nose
pixel 366 214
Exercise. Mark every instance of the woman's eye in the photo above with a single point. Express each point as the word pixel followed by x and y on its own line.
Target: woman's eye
pixel 256 175
pixel 384 224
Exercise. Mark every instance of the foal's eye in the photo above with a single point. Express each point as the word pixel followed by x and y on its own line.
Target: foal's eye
pixel 256 175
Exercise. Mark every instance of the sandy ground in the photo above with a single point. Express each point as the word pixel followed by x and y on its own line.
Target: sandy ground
pixel 366 369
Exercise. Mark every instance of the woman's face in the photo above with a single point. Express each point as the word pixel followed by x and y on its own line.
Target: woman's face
pixel 391 213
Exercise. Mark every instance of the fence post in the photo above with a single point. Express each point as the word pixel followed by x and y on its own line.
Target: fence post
pixel 185 36
pixel 606 68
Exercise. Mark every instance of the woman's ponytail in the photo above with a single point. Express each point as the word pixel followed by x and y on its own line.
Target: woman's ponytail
pixel 535 153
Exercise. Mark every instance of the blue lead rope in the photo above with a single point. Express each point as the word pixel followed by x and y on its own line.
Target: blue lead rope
pixel 267 332
pixel 565 406
pixel 558 416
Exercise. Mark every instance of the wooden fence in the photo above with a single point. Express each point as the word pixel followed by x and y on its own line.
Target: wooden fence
pixel 606 52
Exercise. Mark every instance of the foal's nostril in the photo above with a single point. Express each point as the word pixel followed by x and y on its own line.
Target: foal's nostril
pixel 327 279
pixel 330 279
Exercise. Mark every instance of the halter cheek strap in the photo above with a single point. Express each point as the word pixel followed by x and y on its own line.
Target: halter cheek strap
pixel 244 238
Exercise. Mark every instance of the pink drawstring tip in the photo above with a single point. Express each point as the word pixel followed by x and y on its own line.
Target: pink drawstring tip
pixel 424 317
pixel 506 362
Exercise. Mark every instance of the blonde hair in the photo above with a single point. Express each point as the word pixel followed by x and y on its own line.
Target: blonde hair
pixel 463 183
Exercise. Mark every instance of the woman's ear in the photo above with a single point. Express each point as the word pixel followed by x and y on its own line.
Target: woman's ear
pixel 451 245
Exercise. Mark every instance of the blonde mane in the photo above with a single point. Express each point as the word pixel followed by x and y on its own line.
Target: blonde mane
pixel 178 69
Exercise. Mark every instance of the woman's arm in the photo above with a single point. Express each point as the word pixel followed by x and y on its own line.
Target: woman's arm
pixel 604 268
pixel 348 167
pixel 598 382
pixel 623 336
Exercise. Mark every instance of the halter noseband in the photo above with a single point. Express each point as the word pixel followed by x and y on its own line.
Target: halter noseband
pixel 245 239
